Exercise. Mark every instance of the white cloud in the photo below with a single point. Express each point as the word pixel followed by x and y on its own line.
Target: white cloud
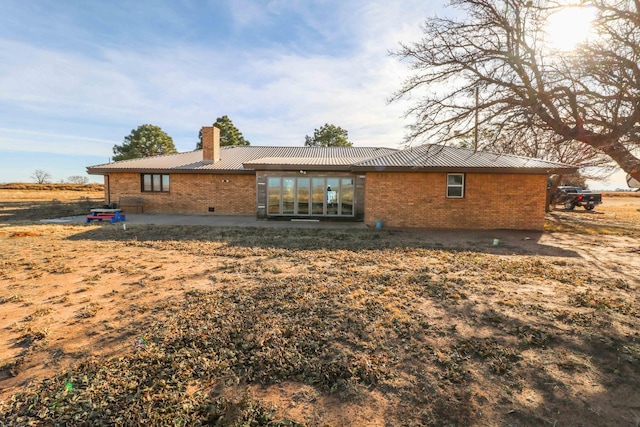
pixel 19 140
pixel 274 96
pixel 246 12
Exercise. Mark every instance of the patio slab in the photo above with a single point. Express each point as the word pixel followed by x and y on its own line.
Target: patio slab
pixel 220 221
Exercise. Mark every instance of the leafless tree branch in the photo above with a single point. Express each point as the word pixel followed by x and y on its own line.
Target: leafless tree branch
pixel 580 107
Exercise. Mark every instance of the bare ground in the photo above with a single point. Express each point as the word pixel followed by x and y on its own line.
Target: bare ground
pixel 181 325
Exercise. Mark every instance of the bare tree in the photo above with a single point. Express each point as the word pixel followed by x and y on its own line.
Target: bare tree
pixel 580 107
pixel 78 179
pixel 41 176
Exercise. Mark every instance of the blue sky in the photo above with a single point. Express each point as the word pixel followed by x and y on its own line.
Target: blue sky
pixel 77 77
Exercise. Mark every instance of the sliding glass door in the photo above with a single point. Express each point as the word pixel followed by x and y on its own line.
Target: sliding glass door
pixel 302 196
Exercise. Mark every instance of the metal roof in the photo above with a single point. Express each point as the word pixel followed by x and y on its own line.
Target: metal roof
pixel 333 161
pixel 167 161
pixel 441 157
pixel 246 159
pixel 233 158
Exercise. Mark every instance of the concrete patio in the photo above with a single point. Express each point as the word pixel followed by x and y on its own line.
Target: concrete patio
pixel 220 221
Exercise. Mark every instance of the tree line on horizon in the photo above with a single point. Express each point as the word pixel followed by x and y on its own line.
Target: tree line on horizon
pixel 41 176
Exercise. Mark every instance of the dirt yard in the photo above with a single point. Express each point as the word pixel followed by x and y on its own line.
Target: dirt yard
pixel 178 325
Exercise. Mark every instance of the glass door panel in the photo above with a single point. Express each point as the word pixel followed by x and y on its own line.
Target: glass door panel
pixel 346 201
pixel 303 196
pixel 288 195
pixel 318 196
pixel 273 196
pixel 333 195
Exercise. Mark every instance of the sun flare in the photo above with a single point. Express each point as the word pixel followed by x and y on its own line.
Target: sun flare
pixel 569 27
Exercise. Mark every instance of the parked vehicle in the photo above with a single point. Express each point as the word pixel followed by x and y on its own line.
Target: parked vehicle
pixel 570 197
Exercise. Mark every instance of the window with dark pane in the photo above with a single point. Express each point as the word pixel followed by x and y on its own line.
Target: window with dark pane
pixel 152 182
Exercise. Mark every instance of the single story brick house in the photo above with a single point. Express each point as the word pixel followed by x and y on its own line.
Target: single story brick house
pixel 431 186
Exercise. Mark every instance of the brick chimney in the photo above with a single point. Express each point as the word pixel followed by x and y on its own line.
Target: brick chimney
pixel 210 144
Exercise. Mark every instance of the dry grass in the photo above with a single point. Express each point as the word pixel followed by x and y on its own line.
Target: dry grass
pixel 48 192
pixel 617 216
pixel 31 202
pixel 175 325
pixel 621 194
pixel 34 190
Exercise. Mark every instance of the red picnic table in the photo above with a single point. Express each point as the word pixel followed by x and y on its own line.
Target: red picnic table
pixel 113 215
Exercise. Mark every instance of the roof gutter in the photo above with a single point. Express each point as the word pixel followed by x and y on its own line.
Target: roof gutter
pixel 251 169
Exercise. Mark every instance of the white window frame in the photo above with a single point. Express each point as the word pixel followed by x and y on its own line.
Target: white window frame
pixel 461 186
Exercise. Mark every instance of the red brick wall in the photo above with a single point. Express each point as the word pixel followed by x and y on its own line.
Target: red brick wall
pixel 191 193
pixel 210 144
pixel 492 201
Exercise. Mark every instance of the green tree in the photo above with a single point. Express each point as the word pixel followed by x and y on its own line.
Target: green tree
pixel 586 100
pixel 145 141
pixel 328 136
pixel 229 134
